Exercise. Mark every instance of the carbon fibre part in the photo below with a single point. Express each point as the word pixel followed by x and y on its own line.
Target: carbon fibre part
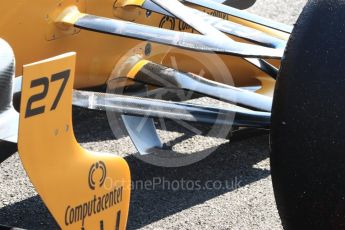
pixel 9 118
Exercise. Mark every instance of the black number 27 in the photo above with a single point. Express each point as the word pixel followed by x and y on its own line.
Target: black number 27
pixel 44 82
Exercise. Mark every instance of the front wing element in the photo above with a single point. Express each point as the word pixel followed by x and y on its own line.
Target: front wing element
pixel 82 190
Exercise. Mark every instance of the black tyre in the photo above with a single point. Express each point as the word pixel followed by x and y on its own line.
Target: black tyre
pixel 308 121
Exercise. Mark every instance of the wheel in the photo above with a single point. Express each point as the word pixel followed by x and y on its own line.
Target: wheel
pixel 308 121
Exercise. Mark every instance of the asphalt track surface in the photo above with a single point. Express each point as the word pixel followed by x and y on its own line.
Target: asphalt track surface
pixel 241 198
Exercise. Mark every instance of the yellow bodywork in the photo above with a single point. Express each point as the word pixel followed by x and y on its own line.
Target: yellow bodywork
pixel 34 32
pixel 82 189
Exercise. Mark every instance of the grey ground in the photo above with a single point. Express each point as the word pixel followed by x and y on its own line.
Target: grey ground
pixel 248 205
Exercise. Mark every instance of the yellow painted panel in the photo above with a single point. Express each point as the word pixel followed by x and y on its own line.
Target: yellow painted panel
pixel 82 189
pixel 30 29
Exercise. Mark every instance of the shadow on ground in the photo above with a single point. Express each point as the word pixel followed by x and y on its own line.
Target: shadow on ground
pixel 230 163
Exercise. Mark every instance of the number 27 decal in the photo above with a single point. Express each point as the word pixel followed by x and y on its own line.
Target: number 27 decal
pixel 44 81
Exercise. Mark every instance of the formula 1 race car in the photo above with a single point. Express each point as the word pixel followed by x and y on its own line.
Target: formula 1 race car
pixel 59 53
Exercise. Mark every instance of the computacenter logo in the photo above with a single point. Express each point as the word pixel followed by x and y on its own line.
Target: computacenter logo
pixel 99 202
pixel 99 166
